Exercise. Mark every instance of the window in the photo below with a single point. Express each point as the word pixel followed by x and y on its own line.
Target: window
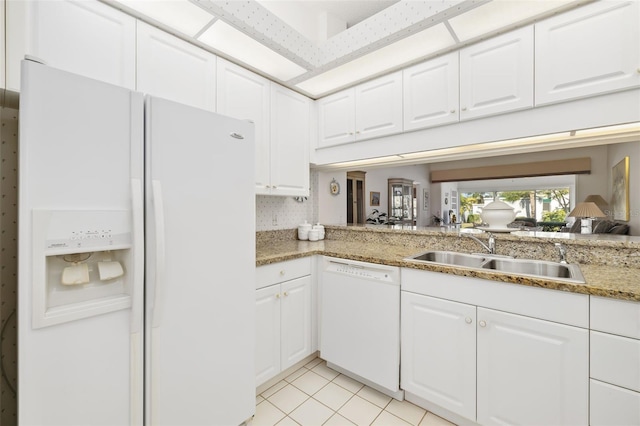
pixel 546 207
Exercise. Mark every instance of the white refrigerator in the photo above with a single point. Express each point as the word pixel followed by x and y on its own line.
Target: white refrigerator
pixel 136 258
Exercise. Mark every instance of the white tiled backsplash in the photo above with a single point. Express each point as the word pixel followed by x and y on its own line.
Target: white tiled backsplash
pixel 285 212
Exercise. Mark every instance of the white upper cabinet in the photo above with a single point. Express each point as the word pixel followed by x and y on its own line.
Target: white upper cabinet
pixel 336 118
pixel 174 69
pixel 366 111
pixel 245 95
pixel 84 37
pixel 496 75
pixel 290 139
pixel 430 93
pixel 590 50
pixel 379 107
pixel 282 132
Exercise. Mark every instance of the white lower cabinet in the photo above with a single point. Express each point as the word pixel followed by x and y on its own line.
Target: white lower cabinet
pixel 613 405
pixel 468 362
pixel 439 352
pixel 283 320
pixel 615 362
pixel 531 371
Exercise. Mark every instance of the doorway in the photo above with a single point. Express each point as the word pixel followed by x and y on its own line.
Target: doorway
pixel 355 197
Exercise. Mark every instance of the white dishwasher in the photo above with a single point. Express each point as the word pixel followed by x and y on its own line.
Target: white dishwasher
pixel 360 322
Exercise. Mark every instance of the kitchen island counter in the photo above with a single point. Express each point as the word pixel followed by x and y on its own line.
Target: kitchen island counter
pixel 614 281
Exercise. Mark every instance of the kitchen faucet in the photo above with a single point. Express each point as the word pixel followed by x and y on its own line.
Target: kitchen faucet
pixel 562 251
pixel 491 248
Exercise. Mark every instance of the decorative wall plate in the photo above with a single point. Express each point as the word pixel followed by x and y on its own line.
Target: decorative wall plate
pixel 334 187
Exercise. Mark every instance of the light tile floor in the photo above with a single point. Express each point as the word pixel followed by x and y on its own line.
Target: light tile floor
pixel 317 395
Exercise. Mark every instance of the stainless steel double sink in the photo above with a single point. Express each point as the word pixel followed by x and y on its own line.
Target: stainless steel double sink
pixel 524 267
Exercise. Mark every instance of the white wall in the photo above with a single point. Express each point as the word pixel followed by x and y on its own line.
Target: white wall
pixel 332 209
pixel 376 181
pixel 615 154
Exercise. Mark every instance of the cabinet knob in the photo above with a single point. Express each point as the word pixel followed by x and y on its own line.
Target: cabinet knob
pixel 464 108
pixel 357 132
pixel 453 111
pixel 482 324
pixel 350 133
pixel 282 272
pixel 286 293
pixel 277 295
pixel 468 320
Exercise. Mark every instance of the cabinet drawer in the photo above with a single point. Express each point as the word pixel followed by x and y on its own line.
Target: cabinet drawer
pixel 282 271
pixel 620 317
pixel 615 360
pixel 611 405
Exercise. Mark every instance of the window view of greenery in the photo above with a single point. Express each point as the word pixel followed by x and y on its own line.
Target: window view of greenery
pixel 545 209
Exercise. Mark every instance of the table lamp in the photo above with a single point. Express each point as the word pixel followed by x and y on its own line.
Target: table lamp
pixel 586 211
pixel 600 202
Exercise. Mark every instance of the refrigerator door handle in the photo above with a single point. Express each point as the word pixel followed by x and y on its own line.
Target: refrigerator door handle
pixel 158 209
pixel 137 292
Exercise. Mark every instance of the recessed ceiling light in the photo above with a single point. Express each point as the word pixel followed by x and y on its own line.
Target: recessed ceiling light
pixel 394 55
pixel 499 14
pixel 180 15
pixel 236 44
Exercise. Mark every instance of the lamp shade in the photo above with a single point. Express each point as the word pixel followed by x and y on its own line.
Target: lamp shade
pixel 588 209
pixel 599 201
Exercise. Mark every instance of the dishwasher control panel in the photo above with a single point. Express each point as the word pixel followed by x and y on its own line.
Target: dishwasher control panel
pixel 359 271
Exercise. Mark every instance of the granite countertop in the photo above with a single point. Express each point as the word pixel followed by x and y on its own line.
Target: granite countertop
pixel 601 280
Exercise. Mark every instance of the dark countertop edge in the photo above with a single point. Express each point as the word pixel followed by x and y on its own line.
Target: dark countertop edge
pixel 587 289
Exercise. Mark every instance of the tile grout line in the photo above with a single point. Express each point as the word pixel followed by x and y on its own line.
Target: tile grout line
pixel 333 411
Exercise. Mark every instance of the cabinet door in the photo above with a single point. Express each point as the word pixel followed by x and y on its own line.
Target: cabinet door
pixel 336 119
pixel 295 320
pixel 174 69
pixel 267 333
pixel 379 107
pixel 439 352
pixel 496 76
pixel 593 49
pixel 431 93
pixel 612 405
pixel 84 37
pixel 531 371
pixel 245 95
pixel 289 142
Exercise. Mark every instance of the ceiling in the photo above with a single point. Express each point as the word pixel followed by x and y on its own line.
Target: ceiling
pixel 349 12
pixel 317 47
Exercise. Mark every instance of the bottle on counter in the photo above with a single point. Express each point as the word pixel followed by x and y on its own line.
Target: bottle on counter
pixel 303 231
pixel 320 229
